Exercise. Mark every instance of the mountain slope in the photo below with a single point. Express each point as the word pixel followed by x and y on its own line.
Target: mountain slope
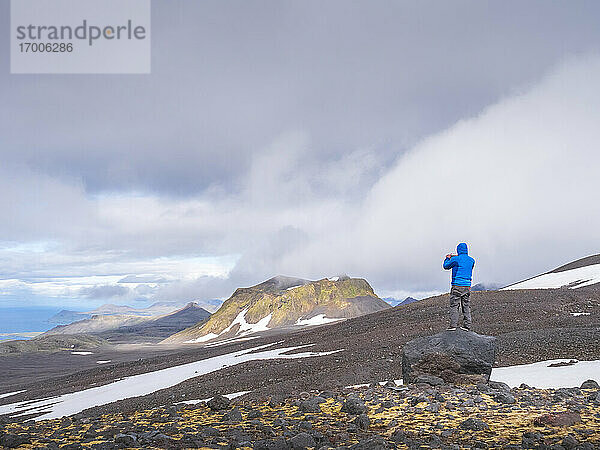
pixel 52 344
pixel 285 301
pixel 395 302
pixel 580 273
pixel 158 328
pixel 97 324
pixel 66 317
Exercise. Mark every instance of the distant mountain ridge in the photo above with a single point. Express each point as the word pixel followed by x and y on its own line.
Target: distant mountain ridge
pixel 158 328
pixel 285 302
pixel 127 327
pixel 396 302
pixel 486 287
pixel 66 316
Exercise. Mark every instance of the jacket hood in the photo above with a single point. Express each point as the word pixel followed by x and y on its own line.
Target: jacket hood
pixel 462 249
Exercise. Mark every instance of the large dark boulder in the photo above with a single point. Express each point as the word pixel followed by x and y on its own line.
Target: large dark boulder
pixel 459 357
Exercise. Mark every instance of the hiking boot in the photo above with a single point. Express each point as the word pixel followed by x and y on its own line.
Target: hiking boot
pixel 451 329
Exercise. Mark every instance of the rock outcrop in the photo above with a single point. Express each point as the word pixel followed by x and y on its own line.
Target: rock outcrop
pixel 458 357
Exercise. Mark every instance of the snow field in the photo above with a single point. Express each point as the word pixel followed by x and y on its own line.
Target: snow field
pixel 574 278
pixel 245 328
pixel 540 375
pixel 146 383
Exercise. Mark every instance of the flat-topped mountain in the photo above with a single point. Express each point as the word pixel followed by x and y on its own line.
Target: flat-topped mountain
pixel 285 302
pixel 66 316
pixel 580 273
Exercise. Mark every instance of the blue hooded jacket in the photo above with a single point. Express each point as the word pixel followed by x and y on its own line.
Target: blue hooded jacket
pixel 461 265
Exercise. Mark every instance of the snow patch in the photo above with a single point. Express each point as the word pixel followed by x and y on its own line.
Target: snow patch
pixel 206 337
pixel 104 361
pixel 574 278
pixel 541 376
pixel 381 383
pixel 9 394
pixel 229 396
pixel 334 279
pixel 230 340
pixel 82 353
pixel 245 328
pixel 577 314
pixel 294 287
pixel 358 386
pixel 146 383
pixel 319 319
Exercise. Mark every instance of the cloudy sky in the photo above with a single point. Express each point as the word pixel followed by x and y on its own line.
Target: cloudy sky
pixel 305 138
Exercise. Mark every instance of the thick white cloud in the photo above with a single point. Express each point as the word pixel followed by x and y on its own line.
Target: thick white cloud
pixel 519 183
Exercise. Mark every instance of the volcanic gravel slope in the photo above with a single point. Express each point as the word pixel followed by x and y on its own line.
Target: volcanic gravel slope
pixel 587 261
pixel 531 325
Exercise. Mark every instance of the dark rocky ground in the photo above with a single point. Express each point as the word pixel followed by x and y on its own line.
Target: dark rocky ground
pixel 531 326
pixel 377 417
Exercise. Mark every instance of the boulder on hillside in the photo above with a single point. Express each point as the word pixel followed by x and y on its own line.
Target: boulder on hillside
pixel 458 357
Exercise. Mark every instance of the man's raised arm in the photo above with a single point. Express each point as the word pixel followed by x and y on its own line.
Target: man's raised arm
pixel 449 262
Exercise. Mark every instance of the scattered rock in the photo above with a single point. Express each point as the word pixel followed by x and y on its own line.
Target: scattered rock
pixel 399 436
pixel 10 440
pixel 272 444
pixel 569 442
pixel 302 441
pixel 210 431
pixel 233 416
pixel 374 443
pixel 590 384
pixel 474 424
pixel 305 425
pixel 354 406
pixel 162 440
pixel 126 440
pixel 498 386
pixel 416 400
pixel 218 403
pixel 254 414
pixel 433 407
pixel 559 419
pixel 312 405
pixel 482 387
pixel 503 397
pixel 276 400
pixel 362 422
pixel 531 439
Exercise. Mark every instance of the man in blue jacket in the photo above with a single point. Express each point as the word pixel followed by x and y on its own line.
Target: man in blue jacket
pixel 462 272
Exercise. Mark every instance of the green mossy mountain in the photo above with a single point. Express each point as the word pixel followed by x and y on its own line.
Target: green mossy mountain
pixel 287 300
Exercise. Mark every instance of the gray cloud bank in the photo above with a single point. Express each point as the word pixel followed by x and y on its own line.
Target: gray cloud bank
pixel 309 139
